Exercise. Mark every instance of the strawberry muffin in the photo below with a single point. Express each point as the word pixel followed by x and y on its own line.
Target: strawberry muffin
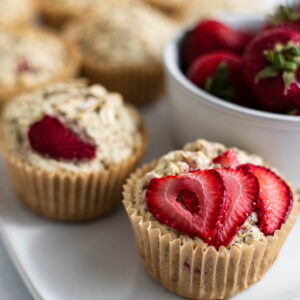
pixel 16 12
pixel 69 147
pixel 122 48
pixel 31 58
pixel 209 221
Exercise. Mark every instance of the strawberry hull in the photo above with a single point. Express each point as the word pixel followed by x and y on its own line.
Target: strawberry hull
pixel 271 92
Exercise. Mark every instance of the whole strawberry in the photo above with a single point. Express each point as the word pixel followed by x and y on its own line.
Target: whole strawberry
pixel 272 73
pixel 220 74
pixel 211 35
pixel 285 17
pixel 53 139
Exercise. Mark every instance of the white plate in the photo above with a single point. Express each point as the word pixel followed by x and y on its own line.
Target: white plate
pixel 99 260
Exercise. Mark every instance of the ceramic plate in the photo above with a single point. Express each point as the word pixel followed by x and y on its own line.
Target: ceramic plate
pixel 99 260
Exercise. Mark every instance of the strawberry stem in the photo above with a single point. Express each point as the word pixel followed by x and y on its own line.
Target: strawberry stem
pixel 283 60
pixel 285 14
pixel 219 84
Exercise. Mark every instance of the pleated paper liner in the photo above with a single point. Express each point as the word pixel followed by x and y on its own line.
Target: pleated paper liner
pixel 66 196
pixel 70 70
pixel 140 85
pixel 201 272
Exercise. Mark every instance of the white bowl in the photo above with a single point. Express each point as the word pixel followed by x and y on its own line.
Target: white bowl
pixel 197 114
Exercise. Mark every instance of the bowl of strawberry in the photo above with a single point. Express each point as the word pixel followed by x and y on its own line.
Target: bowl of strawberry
pixel 238 82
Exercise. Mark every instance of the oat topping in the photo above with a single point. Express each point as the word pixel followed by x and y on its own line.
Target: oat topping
pixel 126 35
pixel 91 112
pixel 29 57
pixel 195 156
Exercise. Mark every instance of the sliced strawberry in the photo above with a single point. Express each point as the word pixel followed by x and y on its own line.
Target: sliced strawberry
pixel 189 203
pixel 227 160
pixel 275 199
pixel 53 139
pixel 241 191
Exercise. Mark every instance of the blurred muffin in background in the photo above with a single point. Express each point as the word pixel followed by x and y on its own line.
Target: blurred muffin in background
pixel 198 9
pixel 57 13
pixel 17 12
pixel 31 58
pixel 122 49
pixel 176 9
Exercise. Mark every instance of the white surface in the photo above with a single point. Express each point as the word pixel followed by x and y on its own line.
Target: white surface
pixel 99 260
pixel 197 113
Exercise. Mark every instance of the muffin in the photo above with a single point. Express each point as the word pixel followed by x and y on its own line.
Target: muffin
pixel 122 49
pixel 214 8
pixel 31 58
pixel 16 12
pixel 209 221
pixel 57 13
pixel 69 147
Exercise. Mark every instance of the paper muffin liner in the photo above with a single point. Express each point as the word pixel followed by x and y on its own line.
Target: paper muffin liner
pixel 70 70
pixel 201 272
pixel 139 84
pixel 66 196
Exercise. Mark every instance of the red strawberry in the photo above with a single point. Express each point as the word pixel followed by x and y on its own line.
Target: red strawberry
pixel 241 191
pixel 24 67
pixel 275 199
pixel 189 203
pixel 211 35
pixel 227 160
pixel 51 138
pixel 220 74
pixel 285 17
pixel 272 71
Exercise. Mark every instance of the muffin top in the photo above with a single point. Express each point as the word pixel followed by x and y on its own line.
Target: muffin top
pixel 127 35
pixel 29 57
pixel 179 170
pixel 71 126
pixel 14 12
